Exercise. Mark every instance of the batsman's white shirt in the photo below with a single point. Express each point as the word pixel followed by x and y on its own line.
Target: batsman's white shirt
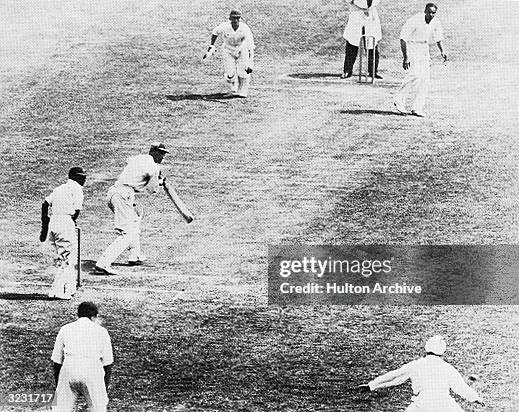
pixel 83 347
pixel 235 41
pixel 140 172
pixel 432 379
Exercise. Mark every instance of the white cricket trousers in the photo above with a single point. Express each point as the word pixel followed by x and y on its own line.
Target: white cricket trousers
pixel 433 403
pixel 234 72
pixel 127 224
pixel 416 83
pixel 80 376
pixel 62 235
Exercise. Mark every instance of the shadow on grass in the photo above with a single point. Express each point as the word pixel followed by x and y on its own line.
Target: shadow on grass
pixel 371 111
pixel 88 265
pixel 23 296
pixel 210 97
pixel 313 75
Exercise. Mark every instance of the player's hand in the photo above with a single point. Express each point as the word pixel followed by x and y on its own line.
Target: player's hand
pixel 162 180
pixel 363 388
pixel 248 70
pixel 406 64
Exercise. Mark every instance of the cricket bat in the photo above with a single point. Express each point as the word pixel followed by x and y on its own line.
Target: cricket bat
pixel 179 204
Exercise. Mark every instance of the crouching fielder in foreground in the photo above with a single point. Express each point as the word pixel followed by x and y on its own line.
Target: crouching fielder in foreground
pixel 432 379
pixel 238 53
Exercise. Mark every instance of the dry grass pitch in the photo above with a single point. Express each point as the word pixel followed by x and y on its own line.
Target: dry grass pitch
pixel 312 162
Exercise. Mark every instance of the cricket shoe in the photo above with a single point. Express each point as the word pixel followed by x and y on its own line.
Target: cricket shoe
pixel 106 270
pixel 346 75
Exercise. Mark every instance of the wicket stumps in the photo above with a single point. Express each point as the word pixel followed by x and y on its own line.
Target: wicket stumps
pixel 78 276
pixel 367 43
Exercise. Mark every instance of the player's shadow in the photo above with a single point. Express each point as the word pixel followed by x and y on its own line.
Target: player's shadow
pixel 371 111
pixel 193 96
pixel 88 265
pixel 307 76
pixel 23 296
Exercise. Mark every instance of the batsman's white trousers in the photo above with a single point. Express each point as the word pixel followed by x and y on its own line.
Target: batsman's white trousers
pixel 234 71
pixel 81 376
pixel 62 235
pixel 127 224
pixel 416 83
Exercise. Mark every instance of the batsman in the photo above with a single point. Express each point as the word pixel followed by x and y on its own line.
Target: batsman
pixel 142 173
pixel 238 53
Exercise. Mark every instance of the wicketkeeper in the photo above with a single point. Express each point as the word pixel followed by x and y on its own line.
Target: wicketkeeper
pixel 238 53
pixel 432 379
pixel 66 202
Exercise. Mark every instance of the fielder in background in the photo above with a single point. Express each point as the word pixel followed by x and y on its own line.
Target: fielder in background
pixel 142 172
pixel 238 53
pixel 82 360
pixel 415 36
pixel 363 20
pixel 431 378
pixel 66 202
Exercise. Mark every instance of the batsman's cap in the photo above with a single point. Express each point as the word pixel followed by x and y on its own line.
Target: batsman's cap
pixel 436 345
pixel 76 171
pixel 159 147
pixel 235 13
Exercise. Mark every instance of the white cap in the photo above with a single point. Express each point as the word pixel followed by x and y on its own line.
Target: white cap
pixel 436 345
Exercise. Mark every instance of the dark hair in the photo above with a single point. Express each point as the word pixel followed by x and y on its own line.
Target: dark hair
pixel 87 310
pixel 431 5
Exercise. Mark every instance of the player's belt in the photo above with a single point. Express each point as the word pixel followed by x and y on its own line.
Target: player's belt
pixel 418 41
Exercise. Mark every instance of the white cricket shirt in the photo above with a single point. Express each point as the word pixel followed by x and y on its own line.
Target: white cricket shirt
pixel 66 198
pixel 235 41
pixel 140 172
pixel 83 340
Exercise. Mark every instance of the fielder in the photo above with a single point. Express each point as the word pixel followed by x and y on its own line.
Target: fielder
pixel 363 19
pixel 82 360
pixel 66 202
pixel 142 172
pixel 431 378
pixel 415 36
pixel 238 53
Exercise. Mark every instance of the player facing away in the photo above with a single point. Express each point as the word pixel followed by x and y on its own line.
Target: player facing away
pixel 142 172
pixel 237 51
pixel 82 359
pixel 65 202
pixel 415 36
pixel 432 379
